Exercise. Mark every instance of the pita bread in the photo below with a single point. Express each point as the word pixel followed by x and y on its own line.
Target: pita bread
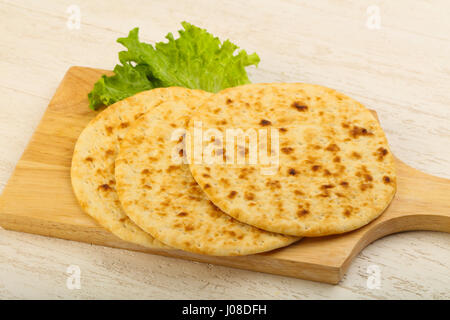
pixel 158 193
pixel 93 159
pixel 335 170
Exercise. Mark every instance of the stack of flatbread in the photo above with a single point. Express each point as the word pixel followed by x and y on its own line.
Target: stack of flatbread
pixel 247 170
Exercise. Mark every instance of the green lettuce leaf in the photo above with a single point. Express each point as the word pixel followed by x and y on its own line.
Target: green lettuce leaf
pixel 126 81
pixel 195 60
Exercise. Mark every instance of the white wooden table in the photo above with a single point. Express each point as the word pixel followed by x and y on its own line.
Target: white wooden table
pixel 393 56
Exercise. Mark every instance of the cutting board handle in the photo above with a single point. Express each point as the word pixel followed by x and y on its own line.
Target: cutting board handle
pixel 422 202
pixel 426 197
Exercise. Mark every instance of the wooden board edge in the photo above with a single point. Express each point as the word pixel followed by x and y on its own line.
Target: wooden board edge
pixel 258 262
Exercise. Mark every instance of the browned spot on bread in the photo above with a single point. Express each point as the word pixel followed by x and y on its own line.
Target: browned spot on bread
pixel 292 172
pixel 216 111
pixel 166 203
pixel 333 147
pixel 381 153
pixel 109 130
pixel 273 184
pixel 206 186
pixel 287 150
pixel 344 184
pixel 345 125
pixel 225 182
pixel 243 174
pixel 284 130
pixel 196 190
pixel 337 159
pixel 194 198
pixel 356 132
pixel 145 171
pixel 138 115
pixel 205 175
pixel 364 174
pixel 249 196
pixel 124 125
pixel 356 155
pixel 365 186
pixel 232 194
pixel 109 152
pixel 327 186
pixel 181 152
pixel 104 187
pixel 89 159
pixel 348 211
pixel 265 122
pixel 231 233
pixel 182 214
pixel 172 168
pixel 386 179
pixel 316 167
pixel 326 172
pixel 229 101
pixel 302 212
pixel 299 106
pixel 299 193
pixel 189 227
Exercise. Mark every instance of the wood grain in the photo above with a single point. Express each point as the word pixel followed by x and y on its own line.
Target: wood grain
pixel 401 70
pixel 39 199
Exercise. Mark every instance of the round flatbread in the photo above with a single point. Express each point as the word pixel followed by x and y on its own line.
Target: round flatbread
pixel 93 159
pixel 330 170
pixel 158 193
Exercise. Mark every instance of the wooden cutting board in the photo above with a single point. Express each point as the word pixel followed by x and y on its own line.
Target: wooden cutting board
pixel 39 199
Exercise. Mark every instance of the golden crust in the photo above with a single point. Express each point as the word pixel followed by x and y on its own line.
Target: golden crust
pixel 92 170
pixel 335 173
pixel 162 197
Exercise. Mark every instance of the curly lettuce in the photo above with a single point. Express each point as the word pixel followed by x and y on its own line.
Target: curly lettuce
pixel 195 60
